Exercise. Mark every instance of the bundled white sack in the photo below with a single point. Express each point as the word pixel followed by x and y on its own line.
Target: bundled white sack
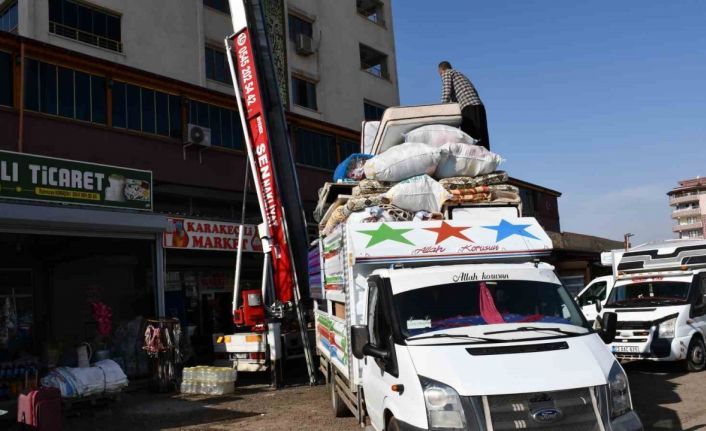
pixel 463 160
pixel 420 193
pixel 370 129
pixel 403 161
pixel 437 135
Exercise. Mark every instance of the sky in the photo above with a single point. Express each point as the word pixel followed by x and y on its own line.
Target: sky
pixel 604 101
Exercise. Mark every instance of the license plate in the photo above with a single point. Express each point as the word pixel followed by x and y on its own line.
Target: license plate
pixel 626 349
pixel 241 355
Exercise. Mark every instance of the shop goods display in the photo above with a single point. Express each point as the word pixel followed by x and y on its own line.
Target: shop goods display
pixel 463 160
pixel 404 161
pixel 103 378
pixel 208 380
pixel 163 344
pixel 437 135
pixel 420 193
pixel 40 409
pixel 351 169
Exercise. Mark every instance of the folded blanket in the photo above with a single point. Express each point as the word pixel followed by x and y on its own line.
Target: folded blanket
pixel 453 183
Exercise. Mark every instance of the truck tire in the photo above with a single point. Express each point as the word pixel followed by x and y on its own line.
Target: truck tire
pixel 339 408
pixel 696 355
pixel 392 425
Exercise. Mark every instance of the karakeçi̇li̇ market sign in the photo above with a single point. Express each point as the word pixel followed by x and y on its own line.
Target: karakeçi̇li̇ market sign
pixel 48 179
pixel 193 234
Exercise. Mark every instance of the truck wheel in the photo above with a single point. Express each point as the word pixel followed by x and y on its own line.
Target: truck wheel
pixel 696 355
pixel 339 408
pixel 393 425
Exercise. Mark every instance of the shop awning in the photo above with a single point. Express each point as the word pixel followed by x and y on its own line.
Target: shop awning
pixel 56 220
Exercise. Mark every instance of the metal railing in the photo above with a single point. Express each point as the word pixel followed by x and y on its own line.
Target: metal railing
pixel 690 226
pixel 85 37
pixel 683 199
pixel 686 212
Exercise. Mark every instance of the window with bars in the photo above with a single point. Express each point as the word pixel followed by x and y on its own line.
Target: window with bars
pixel 6 79
pixel 86 24
pixel 372 111
pixel 226 129
pixel 220 5
pixel 217 65
pixel 65 92
pixel 373 61
pixel 146 110
pixel 8 18
pixel 304 93
pixel 348 148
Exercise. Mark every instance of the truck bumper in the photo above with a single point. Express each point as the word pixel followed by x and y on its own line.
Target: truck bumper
pixel 627 422
pixel 655 349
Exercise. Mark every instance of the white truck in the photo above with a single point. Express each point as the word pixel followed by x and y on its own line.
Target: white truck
pixel 457 325
pixel 594 296
pixel 660 299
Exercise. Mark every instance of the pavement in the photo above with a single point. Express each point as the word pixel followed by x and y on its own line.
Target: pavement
pixel 665 397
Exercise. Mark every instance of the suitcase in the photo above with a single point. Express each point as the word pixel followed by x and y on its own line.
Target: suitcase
pixel 40 410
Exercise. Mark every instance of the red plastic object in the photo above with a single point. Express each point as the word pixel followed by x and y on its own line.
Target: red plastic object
pixel 40 409
pixel 252 312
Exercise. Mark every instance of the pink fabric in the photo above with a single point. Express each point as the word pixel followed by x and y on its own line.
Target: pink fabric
pixel 487 306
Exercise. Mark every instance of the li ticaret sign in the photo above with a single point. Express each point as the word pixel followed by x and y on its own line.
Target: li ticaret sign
pixel 47 179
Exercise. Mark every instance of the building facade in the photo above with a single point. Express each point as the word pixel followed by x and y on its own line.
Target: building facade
pixel 688 202
pixel 98 96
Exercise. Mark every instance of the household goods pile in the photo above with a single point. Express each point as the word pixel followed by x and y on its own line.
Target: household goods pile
pixel 103 378
pixel 436 165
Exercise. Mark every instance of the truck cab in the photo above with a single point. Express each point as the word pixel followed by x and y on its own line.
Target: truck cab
pixel 594 296
pixel 660 299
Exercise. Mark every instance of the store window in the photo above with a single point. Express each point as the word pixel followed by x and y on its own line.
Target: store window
pixel 373 62
pixel 299 26
pixel 315 149
pixel 86 24
pixel 372 10
pixel 8 18
pixel 146 110
pixel 217 66
pixel 373 111
pixel 6 79
pixel 219 5
pixel 68 93
pixel 226 130
pixel 304 93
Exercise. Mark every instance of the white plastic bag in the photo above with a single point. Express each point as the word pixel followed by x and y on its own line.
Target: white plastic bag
pixel 420 193
pixel 403 161
pixel 437 135
pixel 463 160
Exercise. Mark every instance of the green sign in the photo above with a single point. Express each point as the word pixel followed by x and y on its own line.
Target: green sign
pixel 38 178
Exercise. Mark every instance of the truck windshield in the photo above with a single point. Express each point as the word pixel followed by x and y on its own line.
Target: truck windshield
pixel 653 293
pixel 455 305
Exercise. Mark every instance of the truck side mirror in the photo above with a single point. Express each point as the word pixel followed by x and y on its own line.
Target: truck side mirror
pixel 609 326
pixel 360 338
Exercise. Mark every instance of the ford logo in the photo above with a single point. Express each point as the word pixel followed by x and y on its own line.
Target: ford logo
pixel 546 415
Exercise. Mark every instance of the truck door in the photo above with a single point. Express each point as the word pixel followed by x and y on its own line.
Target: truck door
pixel 697 312
pixel 595 292
pixel 378 375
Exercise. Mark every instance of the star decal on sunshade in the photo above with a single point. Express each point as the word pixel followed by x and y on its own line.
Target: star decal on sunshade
pixel 446 231
pixel 506 229
pixel 386 233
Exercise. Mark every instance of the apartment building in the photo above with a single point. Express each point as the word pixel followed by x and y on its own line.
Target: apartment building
pixel 688 202
pixel 102 197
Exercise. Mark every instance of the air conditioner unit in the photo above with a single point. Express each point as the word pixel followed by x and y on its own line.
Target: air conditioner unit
pixel 197 135
pixel 304 45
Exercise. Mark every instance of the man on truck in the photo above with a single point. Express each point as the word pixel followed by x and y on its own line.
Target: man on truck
pixel 456 87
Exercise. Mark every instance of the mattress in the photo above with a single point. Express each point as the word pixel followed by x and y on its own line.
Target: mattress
pixel 397 121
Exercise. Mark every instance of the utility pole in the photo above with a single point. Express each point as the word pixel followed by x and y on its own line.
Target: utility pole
pixel 627 240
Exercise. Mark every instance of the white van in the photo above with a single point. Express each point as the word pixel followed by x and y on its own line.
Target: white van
pixel 593 297
pixel 660 299
pixel 417 335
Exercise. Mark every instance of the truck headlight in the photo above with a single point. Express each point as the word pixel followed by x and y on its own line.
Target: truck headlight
pixel 666 328
pixel 444 409
pixel 618 392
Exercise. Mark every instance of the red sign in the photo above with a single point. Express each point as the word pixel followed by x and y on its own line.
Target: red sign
pixel 193 234
pixel 259 151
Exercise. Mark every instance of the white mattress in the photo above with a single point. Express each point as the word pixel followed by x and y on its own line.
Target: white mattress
pixel 399 120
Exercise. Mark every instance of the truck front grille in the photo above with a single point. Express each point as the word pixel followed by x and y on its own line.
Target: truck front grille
pixel 570 410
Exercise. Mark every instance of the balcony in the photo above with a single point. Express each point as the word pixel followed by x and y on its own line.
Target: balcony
pixel 687 212
pixel 690 226
pixel 674 200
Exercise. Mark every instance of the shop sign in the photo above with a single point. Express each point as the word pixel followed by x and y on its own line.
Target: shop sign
pixel 193 234
pixel 48 179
